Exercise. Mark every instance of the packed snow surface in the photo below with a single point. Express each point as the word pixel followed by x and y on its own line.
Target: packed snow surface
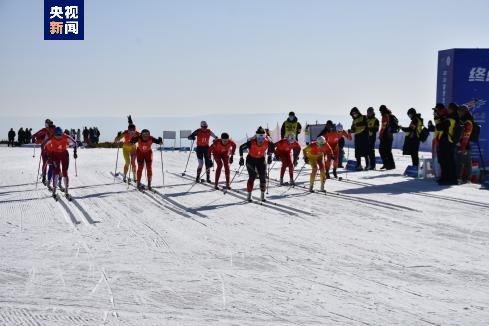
pixel 378 249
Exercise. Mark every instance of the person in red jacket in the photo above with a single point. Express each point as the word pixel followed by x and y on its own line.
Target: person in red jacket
pixel 203 136
pixel 223 151
pixel 40 137
pixel 333 150
pixel 258 147
pixel 144 155
pixel 56 149
pixel 287 150
pixel 462 150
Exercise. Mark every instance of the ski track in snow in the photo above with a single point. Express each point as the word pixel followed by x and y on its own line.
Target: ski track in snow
pixel 378 248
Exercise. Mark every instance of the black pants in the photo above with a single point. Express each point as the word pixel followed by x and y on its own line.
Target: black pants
pixel 10 142
pixel 256 167
pixel 202 157
pixel 371 152
pixel 385 150
pixel 446 159
pixel 361 148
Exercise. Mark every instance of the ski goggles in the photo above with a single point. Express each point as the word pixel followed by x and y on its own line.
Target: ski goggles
pixel 260 137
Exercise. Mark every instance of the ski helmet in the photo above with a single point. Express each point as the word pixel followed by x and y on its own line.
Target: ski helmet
pixel 224 135
pixel 203 124
pixel 131 127
pixel 291 139
pixel 260 133
pixel 58 131
pixel 411 111
pixel 321 140
pixel 339 127
pixel 145 132
pixel 383 109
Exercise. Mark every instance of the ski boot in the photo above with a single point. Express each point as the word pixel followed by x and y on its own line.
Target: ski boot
pixel 282 181
pixel 208 178
pixel 292 182
pixel 140 186
pixel 311 187
pixel 44 179
pixel 216 187
pixel 335 175
pixel 124 179
pixel 262 196
pixel 228 186
pixel 327 175
pixel 149 186
pixel 197 179
pixel 321 189
pixel 248 197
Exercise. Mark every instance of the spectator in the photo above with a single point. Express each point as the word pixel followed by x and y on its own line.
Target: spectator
pixel 11 137
pixel 412 133
pixel 290 127
pixel 21 136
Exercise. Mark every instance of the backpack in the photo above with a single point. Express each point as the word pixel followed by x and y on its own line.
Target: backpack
pixel 476 131
pixel 423 135
pixel 393 124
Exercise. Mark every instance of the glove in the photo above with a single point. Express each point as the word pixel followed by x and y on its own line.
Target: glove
pixel 269 159
pixel 241 161
pixel 295 161
pixel 231 160
pixel 277 158
pixel 350 131
pixel 211 163
pixel 333 157
pixel 75 156
pixel 160 140
pixel 306 160
pixel 191 137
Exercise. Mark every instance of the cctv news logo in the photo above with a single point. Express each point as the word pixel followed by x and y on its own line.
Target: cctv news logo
pixel 63 20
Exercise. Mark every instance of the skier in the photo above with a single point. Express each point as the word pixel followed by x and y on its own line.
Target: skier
pixel 373 128
pixel 41 137
pixel 56 149
pixel 128 148
pixel 258 146
pixel 411 139
pixel 462 153
pixel 144 155
pixel 332 140
pixel 203 136
pixel 11 137
pixel 389 126
pixel 359 128
pixel 283 150
pixel 314 156
pixel 223 151
pixel 290 126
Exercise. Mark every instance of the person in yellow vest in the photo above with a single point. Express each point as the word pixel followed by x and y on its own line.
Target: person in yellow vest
pixel 373 127
pixel 128 148
pixel 314 156
pixel 359 128
pixel 290 127
pixel 411 136
pixel 448 137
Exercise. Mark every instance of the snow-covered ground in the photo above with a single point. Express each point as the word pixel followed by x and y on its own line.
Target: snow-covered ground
pixel 380 249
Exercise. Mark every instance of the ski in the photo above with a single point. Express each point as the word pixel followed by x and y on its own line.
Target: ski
pixel 270 204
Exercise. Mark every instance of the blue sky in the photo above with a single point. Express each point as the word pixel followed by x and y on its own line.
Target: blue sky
pixel 184 58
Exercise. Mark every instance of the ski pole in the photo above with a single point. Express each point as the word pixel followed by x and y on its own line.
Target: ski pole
pixel 236 173
pixel 347 158
pixel 295 179
pixel 129 177
pixel 34 154
pixel 116 160
pixel 38 169
pixel 76 170
pixel 188 159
